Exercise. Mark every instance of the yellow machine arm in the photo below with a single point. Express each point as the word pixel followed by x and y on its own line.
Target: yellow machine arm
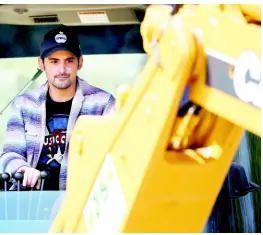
pixel 155 165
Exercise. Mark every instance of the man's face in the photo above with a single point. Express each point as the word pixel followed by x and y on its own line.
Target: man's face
pixel 61 69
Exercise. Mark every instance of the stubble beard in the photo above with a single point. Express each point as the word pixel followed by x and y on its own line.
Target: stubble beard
pixel 64 84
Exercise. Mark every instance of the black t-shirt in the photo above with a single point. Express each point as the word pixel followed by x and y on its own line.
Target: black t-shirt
pixel 57 114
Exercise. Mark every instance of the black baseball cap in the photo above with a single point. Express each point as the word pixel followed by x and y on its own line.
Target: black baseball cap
pixel 60 38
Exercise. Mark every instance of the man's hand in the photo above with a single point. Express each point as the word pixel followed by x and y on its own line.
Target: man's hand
pixel 31 177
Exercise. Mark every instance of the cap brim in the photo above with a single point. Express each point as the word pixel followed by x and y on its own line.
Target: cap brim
pixel 49 52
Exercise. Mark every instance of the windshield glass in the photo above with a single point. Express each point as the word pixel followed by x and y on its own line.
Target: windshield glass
pixel 29 211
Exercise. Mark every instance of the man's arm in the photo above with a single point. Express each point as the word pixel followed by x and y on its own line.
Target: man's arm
pixel 14 147
pixel 110 106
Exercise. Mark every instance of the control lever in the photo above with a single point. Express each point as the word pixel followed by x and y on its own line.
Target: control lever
pixel 5 177
pixel 43 176
pixel 18 176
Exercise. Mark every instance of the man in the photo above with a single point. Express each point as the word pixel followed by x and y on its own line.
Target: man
pixel 42 120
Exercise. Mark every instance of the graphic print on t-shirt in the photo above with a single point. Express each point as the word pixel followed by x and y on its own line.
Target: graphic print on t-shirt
pixel 54 148
pixel 55 141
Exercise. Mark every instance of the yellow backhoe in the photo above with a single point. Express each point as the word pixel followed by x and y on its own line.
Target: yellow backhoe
pixel 158 163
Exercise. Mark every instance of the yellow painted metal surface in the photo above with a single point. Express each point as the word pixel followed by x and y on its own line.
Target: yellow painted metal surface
pixel 148 169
